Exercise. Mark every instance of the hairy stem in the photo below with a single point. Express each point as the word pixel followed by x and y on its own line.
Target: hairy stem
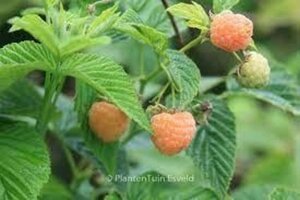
pixel 158 97
pixel 53 85
pixel 173 97
pixel 174 25
pixel 170 78
pixel 153 74
pixel 200 39
pixel 71 162
pixel 237 57
pixel 142 62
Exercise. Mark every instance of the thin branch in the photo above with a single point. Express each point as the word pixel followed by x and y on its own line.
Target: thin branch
pixel 174 25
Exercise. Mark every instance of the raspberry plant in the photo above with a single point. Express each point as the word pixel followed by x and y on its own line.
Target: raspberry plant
pixel 63 47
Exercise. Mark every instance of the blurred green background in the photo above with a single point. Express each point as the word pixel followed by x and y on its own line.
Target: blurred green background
pixel 268 139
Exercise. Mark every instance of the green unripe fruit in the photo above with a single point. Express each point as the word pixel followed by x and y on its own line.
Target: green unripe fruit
pixel 254 72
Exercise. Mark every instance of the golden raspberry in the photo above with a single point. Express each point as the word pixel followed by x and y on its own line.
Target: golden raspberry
pixel 107 121
pixel 173 132
pixel 231 32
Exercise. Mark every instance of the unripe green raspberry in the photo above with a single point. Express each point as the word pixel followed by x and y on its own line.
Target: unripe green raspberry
pixel 255 72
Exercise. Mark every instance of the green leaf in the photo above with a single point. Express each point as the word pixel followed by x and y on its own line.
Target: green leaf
pixel 130 16
pixel 157 18
pixel 107 153
pixel 185 75
pixel 112 196
pixel 55 189
pixel 109 79
pixel 84 98
pixel 213 149
pixel 34 10
pixel 220 5
pixel 282 91
pixel 284 194
pixel 18 59
pixel 131 24
pixel 21 99
pixel 253 192
pixel 38 28
pixel 194 14
pixel 24 162
pixel 151 183
pixel 79 43
pixel 153 14
pixel 104 21
pixel 51 3
pixel 108 157
pixel 137 5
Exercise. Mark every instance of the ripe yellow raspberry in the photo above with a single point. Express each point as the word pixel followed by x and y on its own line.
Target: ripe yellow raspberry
pixel 255 72
pixel 173 132
pixel 231 32
pixel 107 121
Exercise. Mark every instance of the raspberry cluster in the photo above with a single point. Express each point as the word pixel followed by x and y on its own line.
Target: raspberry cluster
pixel 174 131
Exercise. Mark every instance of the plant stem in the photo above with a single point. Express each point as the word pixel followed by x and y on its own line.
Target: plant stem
pixel 173 97
pixel 142 63
pixel 161 93
pixel 53 85
pixel 170 78
pixel 148 78
pixel 200 39
pixel 225 95
pixel 153 74
pixel 237 57
pixel 69 157
pixel 174 25
pixel 101 2
pixel 61 81
pixel 71 162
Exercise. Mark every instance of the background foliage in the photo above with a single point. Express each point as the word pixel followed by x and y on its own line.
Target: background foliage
pixel 267 159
